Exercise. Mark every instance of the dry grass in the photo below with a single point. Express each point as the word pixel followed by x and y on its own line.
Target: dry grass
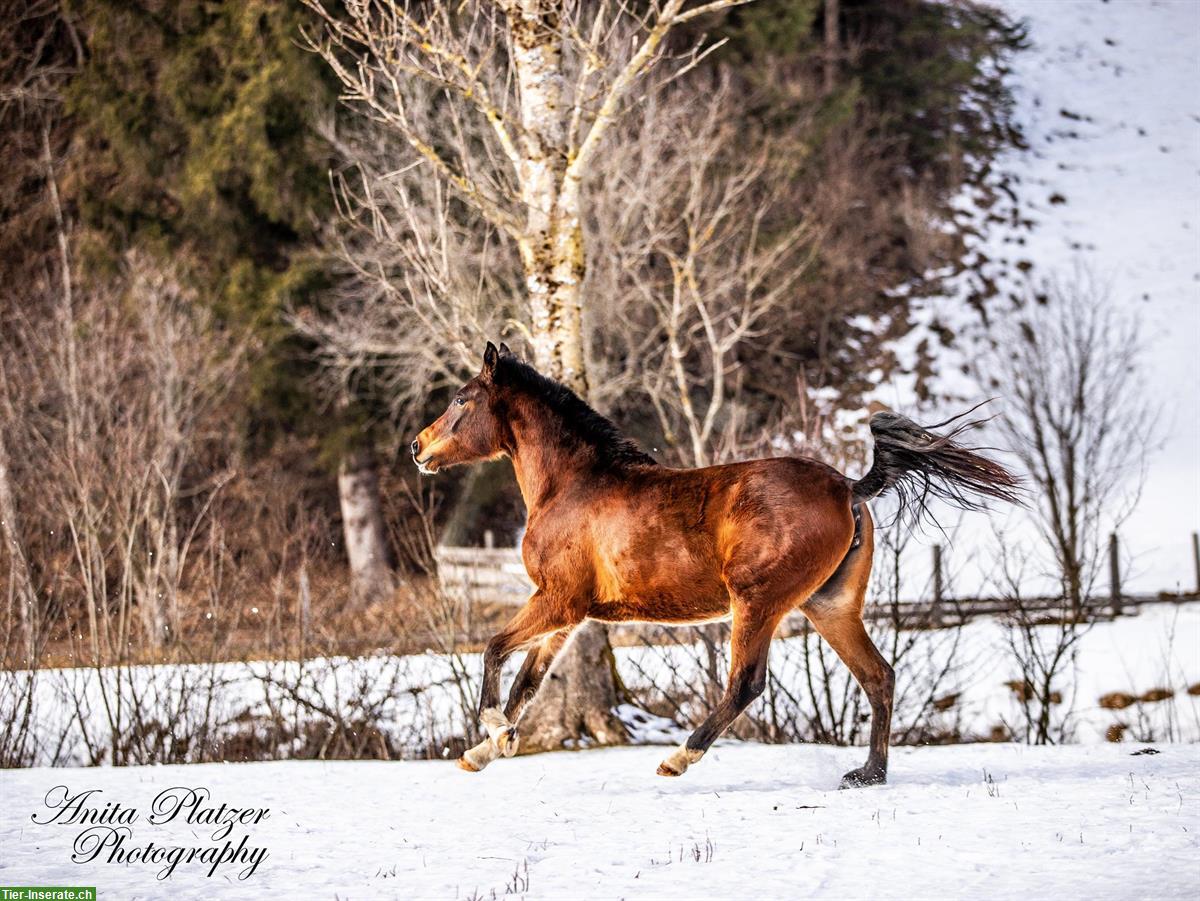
pixel 268 624
pixel 1157 694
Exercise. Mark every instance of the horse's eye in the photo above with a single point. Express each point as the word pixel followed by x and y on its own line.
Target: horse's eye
pixel 461 401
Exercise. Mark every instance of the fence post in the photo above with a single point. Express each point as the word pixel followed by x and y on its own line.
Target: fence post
pixel 1114 574
pixel 935 614
pixel 489 539
pixel 305 606
pixel 1196 558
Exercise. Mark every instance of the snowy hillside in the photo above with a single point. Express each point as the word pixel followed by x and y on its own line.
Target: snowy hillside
pixel 749 821
pixel 1108 96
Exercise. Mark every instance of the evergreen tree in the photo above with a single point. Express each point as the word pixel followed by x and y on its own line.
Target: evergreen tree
pixel 198 138
pixel 195 139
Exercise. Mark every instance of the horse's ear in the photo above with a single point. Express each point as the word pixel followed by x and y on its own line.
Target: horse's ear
pixel 491 357
pixel 504 351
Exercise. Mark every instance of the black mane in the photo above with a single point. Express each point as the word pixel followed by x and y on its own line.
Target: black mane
pixel 578 419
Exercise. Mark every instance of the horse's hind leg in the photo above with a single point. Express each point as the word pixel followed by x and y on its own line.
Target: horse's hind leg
pixel 836 613
pixel 849 638
pixel 750 642
pixel 764 584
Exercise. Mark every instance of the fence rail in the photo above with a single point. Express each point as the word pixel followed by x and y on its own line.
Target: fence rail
pixel 493 575
pixel 497 576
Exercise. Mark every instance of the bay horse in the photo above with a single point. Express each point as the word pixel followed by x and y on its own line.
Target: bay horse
pixel 616 537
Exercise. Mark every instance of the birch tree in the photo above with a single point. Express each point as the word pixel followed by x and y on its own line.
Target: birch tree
pixel 526 94
pixel 549 78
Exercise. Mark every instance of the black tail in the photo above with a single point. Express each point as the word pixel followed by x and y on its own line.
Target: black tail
pixel 918 464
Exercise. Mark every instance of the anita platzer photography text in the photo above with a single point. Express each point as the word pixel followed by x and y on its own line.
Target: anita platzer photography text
pixel 471 449
pixel 105 833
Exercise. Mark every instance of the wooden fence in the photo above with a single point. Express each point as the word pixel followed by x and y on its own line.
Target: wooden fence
pixel 497 576
pixel 491 575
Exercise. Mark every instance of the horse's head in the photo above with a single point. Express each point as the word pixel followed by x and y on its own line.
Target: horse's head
pixel 471 428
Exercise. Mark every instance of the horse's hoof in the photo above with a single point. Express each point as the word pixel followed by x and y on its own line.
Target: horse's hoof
pixel 862 777
pixel 475 759
pixel 678 761
pixel 501 733
pixel 507 741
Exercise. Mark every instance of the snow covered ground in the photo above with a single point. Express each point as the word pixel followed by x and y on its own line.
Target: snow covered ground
pixel 748 821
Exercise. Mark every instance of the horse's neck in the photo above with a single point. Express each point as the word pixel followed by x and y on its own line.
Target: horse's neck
pixel 543 462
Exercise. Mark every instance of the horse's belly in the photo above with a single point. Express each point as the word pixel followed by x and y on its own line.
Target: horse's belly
pixel 666 591
pixel 652 567
pixel 658 610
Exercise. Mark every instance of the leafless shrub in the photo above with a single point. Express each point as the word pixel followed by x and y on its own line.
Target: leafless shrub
pixel 1076 417
pixel 20 739
pixel 1042 646
pixel 110 433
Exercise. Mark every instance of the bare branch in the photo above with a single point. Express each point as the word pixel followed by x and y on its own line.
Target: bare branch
pixel 671 15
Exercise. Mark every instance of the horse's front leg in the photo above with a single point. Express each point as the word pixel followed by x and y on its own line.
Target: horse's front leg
pixel 537 665
pixel 536 620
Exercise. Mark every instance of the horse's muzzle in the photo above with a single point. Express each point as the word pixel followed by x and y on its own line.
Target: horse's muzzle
pixel 428 466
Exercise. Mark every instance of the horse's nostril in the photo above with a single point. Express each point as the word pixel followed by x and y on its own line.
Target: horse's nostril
pixel 416 446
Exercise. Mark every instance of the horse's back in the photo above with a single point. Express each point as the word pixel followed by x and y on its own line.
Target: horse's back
pixel 680 541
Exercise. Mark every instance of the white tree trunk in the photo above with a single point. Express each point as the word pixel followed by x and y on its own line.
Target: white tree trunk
pixel 362 526
pixel 23 595
pixel 576 700
pixel 552 246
